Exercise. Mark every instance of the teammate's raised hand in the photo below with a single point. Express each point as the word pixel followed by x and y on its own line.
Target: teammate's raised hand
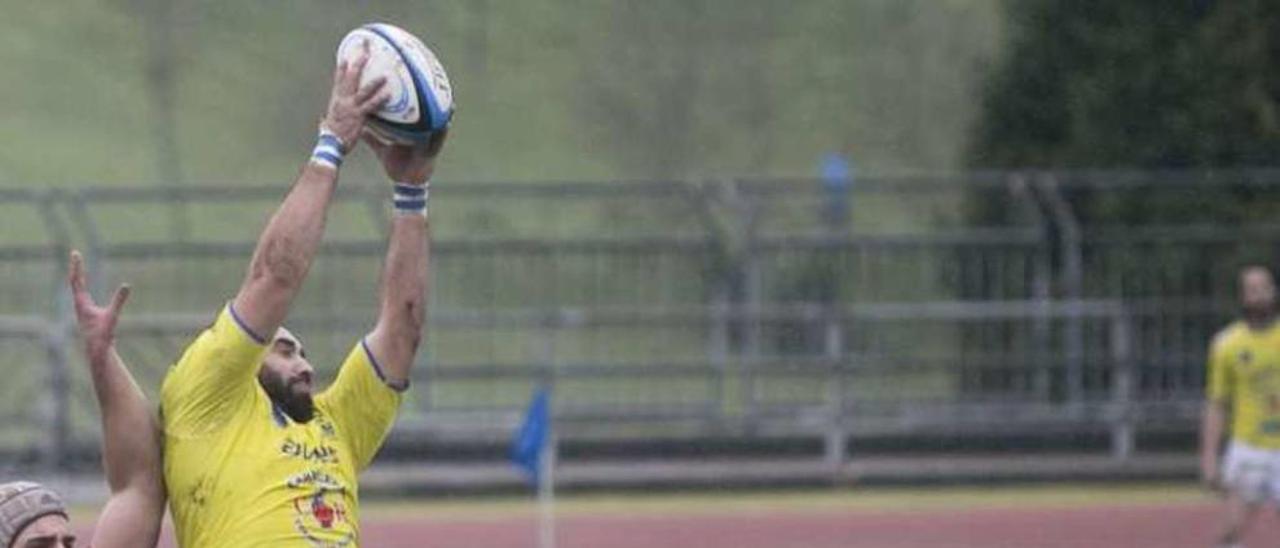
pixel 97 323
pixel 409 164
pixel 349 104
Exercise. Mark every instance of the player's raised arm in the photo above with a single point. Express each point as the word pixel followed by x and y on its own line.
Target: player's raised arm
pixel 217 371
pixel 402 315
pixel 364 398
pixel 289 242
pixel 130 432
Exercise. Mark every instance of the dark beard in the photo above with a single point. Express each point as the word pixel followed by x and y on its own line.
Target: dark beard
pixel 1259 316
pixel 298 407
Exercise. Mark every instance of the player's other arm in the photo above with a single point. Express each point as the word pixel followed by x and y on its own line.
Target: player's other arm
pixel 289 242
pixel 130 433
pixel 403 297
pixel 1213 420
pixel 1213 414
pixel 364 398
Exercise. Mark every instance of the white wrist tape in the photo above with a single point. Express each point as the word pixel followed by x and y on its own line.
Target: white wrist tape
pixel 328 151
pixel 411 199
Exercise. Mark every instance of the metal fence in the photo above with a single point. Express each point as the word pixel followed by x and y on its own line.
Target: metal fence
pixel 733 308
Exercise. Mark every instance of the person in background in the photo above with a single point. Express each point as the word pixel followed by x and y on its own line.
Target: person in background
pixel 1244 384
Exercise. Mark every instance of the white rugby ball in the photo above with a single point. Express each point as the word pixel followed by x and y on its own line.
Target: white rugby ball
pixel 421 100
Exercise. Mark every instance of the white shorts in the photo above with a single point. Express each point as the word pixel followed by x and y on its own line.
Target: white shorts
pixel 1251 473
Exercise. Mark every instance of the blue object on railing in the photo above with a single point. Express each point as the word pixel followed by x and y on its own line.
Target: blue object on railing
pixel 527 447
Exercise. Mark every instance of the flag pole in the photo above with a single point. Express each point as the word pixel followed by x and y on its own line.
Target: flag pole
pixel 533 450
pixel 546 490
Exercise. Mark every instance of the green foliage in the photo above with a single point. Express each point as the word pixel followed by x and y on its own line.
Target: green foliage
pixel 1138 83
pixel 1146 84
pixel 547 89
pixel 1153 85
pixel 1150 84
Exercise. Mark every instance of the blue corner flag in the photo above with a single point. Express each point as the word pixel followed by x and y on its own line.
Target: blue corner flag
pixel 526 446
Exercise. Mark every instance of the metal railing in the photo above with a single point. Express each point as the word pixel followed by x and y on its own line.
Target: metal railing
pixel 726 308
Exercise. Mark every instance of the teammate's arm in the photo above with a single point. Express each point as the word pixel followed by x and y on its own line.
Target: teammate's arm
pixel 289 242
pixel 1213 420
pixel 402 314
pixel 1213 415
pixel 130 433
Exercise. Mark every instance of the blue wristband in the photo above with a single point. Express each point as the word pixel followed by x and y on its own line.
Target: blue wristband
pixel 328 150
pixel 411 199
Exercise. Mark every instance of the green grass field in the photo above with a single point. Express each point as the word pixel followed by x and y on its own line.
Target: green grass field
pixel 797 501
pixel 877 499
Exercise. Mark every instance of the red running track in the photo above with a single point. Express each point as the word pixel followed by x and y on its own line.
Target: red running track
pixel 1154 526
pixel 1188 525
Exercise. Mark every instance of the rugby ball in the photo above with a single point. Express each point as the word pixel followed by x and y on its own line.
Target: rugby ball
pixel 421 100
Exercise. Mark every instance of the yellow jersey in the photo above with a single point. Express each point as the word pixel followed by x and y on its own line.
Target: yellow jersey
pixel 240 472
pixel 1244 371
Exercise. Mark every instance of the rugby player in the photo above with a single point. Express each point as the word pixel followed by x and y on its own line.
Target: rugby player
pixel 251 458
pixel 1244 383
pixel 34 516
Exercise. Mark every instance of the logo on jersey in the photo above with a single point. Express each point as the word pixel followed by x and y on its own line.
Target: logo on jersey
pixel 320 514
pixel 199 493
pixel 323 454
pixel 315 478
pixel 327 430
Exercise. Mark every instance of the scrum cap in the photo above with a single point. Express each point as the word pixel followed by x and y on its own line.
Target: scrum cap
pixel 22 503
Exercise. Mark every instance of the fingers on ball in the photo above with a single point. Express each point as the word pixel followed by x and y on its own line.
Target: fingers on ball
pixel 369 93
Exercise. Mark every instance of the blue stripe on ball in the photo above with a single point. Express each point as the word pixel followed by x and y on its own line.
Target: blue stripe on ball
pixel 436 118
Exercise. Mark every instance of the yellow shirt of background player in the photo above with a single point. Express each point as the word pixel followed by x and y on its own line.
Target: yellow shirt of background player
pixel 240 472
pixel 1244 371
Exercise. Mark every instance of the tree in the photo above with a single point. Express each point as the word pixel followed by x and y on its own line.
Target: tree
pixel 1152 84
pixel 1149 84
pixel 1135 83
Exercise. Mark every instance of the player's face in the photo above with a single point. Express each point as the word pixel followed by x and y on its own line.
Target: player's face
pixel 51 531
pixel 286 375
pixel 1257 290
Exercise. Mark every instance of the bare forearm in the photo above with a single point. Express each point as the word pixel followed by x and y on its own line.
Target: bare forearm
pixel 131 441
pixel 289 242
pixel 285 251
pixel 130 456
pixel 402 316
pixel 129 519
pixel 130 434
pixel 1212 424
